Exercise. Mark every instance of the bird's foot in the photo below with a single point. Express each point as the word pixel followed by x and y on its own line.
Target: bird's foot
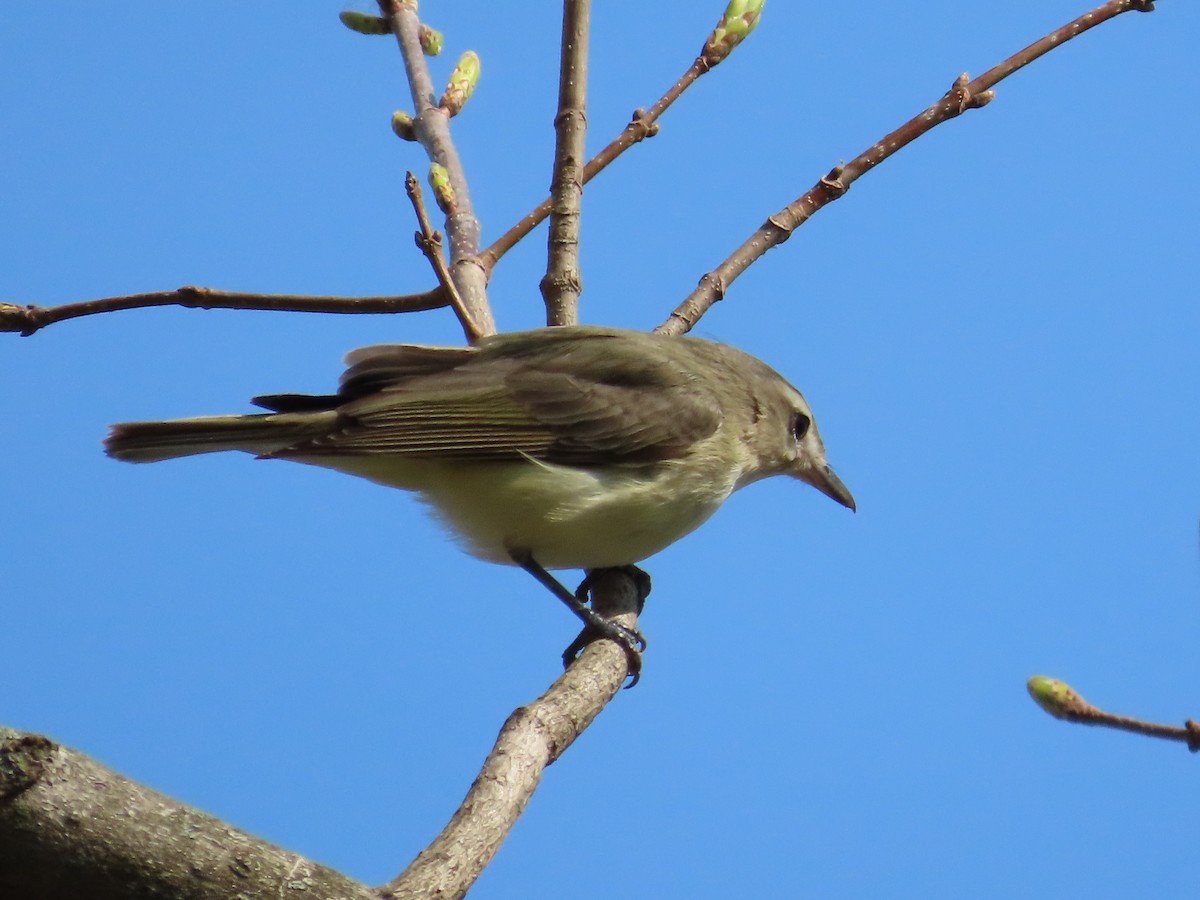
pixel 632 641
pixel 595 625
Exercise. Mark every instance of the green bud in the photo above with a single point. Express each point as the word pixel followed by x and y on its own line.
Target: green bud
pixel 431 40
pixel 364 23
pixel 740 18
pixel 403 125
pixel 1056 697
pixel 443 190
pixel 462 83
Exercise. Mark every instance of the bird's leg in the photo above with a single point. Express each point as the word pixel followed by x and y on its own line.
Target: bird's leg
pixel 595 626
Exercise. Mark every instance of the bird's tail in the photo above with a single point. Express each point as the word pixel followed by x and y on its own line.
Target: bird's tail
pixel 262 433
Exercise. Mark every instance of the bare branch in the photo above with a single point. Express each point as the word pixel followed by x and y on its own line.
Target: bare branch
pixel 69 827
pixel 963 95
pixel 733 28
pixel 533 737
pixel 563 283
pixel 462 227
pixel 1059 700
pixel 28 319
pixel 430 243
pixel 643 125
pixel 431 126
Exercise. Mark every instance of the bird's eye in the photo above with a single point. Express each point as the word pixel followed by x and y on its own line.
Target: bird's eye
pixel 800 423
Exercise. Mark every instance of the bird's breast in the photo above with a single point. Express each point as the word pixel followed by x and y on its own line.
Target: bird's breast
pixel 566 516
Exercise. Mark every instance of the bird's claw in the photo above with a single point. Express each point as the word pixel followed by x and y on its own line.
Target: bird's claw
pixel 632 641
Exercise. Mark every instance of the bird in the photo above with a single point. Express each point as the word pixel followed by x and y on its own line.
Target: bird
pixel 571 447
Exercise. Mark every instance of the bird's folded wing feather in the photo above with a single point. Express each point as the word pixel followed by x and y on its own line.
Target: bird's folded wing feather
pixel 563 401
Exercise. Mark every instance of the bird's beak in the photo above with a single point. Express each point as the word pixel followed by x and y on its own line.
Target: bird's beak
pixel 825 480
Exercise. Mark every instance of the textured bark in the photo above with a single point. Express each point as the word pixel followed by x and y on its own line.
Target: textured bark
pixel 533 738
pixel 563 282
pixel 70 827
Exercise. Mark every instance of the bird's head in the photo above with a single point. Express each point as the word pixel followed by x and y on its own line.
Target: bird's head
pixel 786 440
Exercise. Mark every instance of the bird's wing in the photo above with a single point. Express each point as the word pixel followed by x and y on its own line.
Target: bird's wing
pixel 372 369
pixel 556 399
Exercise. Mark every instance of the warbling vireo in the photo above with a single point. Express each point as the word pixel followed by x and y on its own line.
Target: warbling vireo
pixel 569 447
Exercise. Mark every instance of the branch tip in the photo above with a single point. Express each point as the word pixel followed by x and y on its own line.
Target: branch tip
pixel 462 83
pixel 364 23
pixel 740 18
pixel 431 40
pixel 403 126
pixel 443 190
pixel 1057 698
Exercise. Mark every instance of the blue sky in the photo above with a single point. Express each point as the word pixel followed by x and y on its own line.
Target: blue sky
pixel 997 331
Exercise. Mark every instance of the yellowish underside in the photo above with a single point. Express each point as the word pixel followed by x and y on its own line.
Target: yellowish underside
pixel 566 517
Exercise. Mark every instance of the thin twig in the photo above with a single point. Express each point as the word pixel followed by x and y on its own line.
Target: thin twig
pixel 431 125
pixel 430 243
pixel 965 94
pixel 563 283
pixel 643 125
pixel 533 738
pixel 1061 701
pixel 28 319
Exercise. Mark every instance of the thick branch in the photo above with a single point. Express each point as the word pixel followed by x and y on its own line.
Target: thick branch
pixel 69 827
pixel 563 283
pixel 431 125
pixel 533 737
pixel 28 319
pixel 964 95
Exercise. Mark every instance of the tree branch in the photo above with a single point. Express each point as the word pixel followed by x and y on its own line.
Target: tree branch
pixel 435 137
pixel 644 124
pixel 431 126
pixel 533 737
pixel 563 283
pixel 28 319
pixel 430 244
pixel 69 827
pixel 731 30
pixel 963 95
pixel 1059 700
